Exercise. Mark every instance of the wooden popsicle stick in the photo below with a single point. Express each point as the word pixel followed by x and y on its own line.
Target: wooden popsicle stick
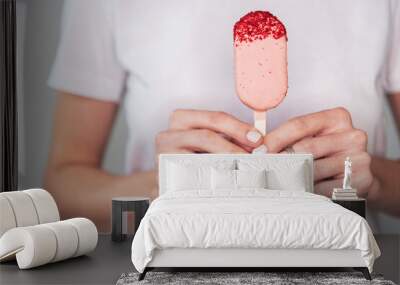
pixel 260 122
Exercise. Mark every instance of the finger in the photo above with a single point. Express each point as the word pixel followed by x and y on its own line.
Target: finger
pixel 326 145
pixel 320 123
pixel 247 148
pixel 360 181
pixel 200 140
pixel 332 166
pixel 216 121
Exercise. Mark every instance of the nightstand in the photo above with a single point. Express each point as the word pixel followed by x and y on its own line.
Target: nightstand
pixel 138 205
pixel 356 205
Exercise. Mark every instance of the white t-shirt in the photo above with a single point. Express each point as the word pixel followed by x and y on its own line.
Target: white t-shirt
pixel 156 56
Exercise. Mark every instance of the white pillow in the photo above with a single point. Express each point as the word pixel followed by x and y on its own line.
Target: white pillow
pixel 223 179
pixel 251 178
pixel 237 179
pixel 281 174
pixel 287 179
pixel 181 178
pixel 188 175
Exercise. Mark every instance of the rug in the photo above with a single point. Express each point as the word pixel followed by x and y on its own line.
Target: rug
pixel 269 278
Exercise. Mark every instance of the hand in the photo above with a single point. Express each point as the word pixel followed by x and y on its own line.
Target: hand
pixel 198 131
pixel 330 136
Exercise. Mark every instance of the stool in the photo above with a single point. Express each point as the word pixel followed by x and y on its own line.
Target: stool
pixel 138 205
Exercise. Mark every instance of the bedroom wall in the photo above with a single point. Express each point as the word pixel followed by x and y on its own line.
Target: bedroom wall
pixel 36 102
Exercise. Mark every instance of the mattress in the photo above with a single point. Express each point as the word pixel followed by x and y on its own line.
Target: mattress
pixel 251 219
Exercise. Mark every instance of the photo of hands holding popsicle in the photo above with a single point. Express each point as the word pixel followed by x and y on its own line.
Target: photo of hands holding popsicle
pixel 185 85
pixel 261 76
pixel 329 135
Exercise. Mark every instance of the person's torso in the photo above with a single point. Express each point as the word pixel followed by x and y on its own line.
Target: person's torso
pixel 179 54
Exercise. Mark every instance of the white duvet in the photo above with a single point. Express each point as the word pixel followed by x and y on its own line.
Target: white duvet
pixel 250 219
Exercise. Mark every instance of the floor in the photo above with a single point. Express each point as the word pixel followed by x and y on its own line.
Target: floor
pixel 110 260
pixel 102 266
pixel 389 262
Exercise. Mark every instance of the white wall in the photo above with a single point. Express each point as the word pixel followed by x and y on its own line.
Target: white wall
pixel 42 32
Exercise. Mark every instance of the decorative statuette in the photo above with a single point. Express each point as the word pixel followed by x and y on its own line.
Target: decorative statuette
pixel 347 174
pixel 346 192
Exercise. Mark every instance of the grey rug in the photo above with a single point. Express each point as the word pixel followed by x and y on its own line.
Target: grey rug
pixel 228 278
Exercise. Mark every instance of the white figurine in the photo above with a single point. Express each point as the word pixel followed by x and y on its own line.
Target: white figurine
pixel 347 174
pixel 347 192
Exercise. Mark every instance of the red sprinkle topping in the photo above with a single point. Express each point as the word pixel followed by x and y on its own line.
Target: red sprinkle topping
pixel 257 26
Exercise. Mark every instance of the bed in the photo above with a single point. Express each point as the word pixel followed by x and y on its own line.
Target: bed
pixel 247 211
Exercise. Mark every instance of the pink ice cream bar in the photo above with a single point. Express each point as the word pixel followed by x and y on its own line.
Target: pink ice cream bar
pixel 260 44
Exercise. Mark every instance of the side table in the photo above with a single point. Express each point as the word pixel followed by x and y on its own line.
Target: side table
pixel 138 205
pixel 355 205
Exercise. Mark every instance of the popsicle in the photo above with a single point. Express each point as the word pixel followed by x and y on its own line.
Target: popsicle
pixel 260 47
